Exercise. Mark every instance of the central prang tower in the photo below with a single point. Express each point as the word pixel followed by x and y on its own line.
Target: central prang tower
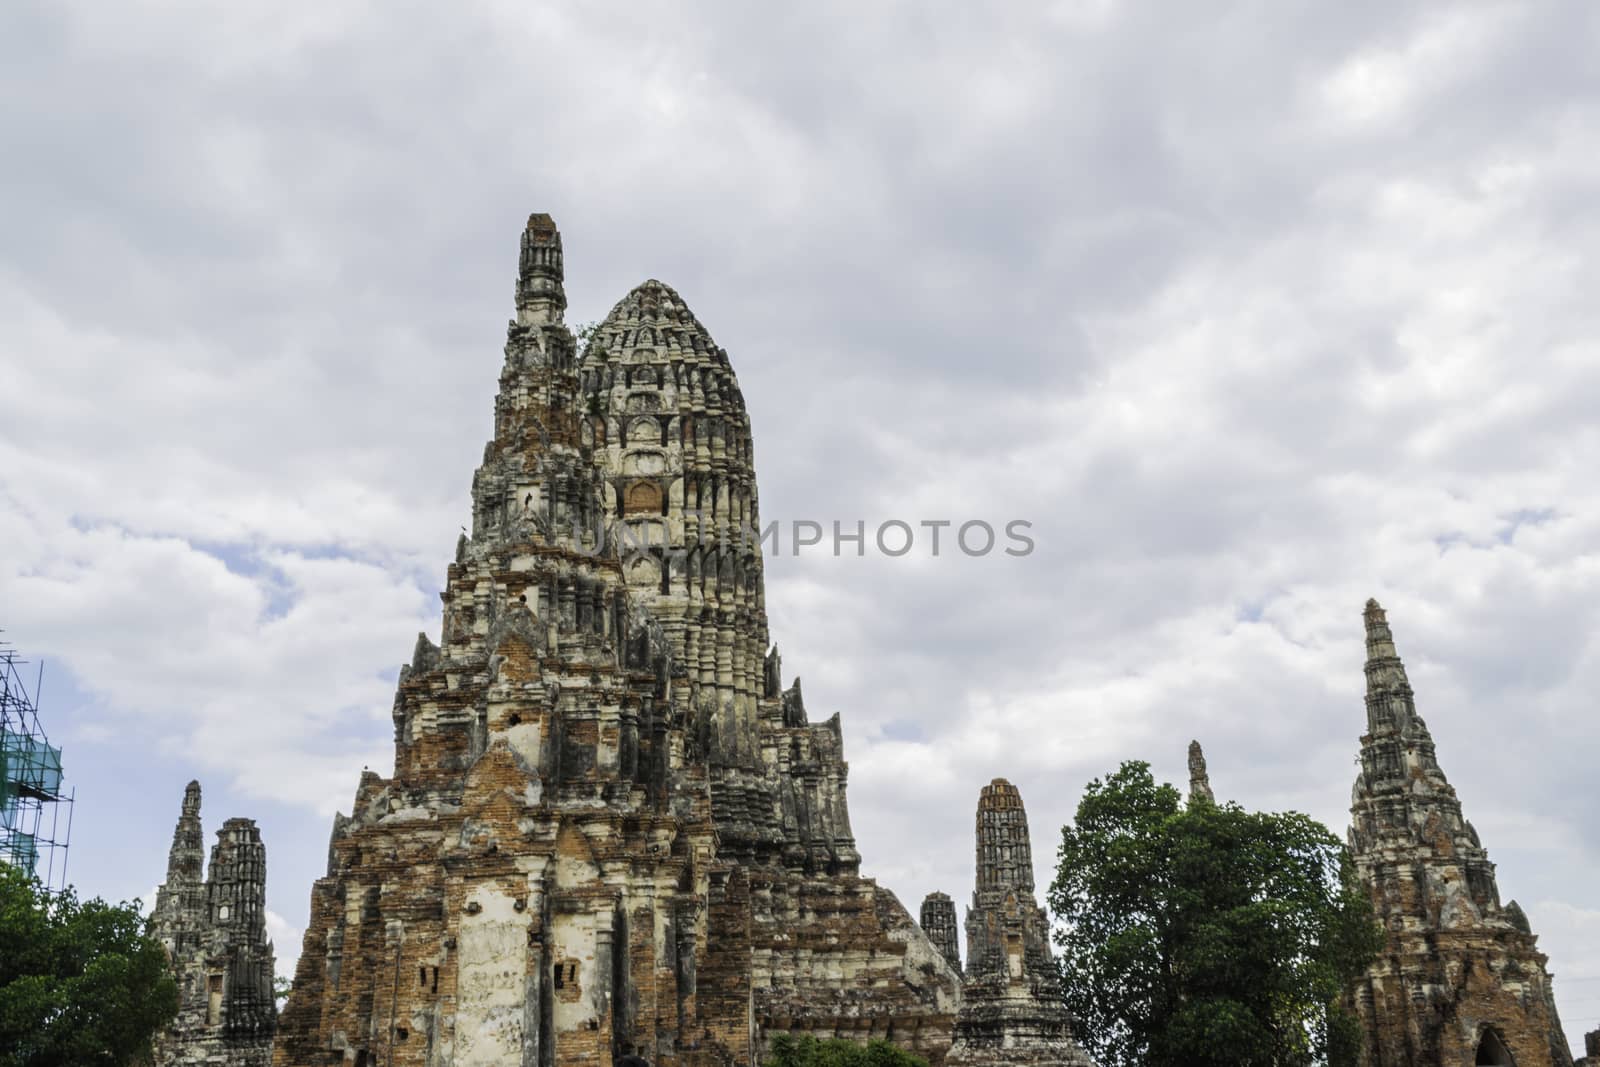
pixel 609 830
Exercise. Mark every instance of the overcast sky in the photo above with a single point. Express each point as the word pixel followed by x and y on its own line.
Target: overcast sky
pixel 1253 310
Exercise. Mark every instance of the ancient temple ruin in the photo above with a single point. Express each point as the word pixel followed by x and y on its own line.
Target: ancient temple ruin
pixel 1012 1013
pixel 212 922
pixel 610 829
pixel 1459 979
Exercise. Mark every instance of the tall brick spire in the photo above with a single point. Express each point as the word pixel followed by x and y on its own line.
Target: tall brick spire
pixel 1011 1009
pixel 671 429
pixel 1391 708
pixel 181 898
pixel 1459 974
pixel 187 858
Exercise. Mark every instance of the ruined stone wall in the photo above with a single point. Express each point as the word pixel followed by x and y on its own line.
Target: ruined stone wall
pixel 606 831
pixel 1459 979
pixel 214 931
pixel 1012 1013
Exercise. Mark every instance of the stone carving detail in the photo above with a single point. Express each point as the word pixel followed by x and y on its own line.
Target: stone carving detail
pixel 214 931
pixel 1011 1008
pixel 1459 979
pixel 609 831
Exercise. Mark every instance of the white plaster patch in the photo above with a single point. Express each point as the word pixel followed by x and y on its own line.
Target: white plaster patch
pixel 492 981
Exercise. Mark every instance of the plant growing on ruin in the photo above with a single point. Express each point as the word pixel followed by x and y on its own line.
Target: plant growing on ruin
pixel 805 1051
pixel 1206 934
pixel 81 985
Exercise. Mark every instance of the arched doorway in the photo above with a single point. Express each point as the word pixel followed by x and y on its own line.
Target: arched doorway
pixel 1492 1050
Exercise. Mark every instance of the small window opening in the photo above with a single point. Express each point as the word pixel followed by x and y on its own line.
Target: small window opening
pixel 422 976
pixel 561 976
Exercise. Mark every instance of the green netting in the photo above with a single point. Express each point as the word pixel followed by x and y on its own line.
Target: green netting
pixel 30 778
pixel 20 850
pixel 30 766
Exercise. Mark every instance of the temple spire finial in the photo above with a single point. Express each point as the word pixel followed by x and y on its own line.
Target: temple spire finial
pixel 186 858
pixel 1380 640
pixel 1390 704
pixel 1199 780
pixel 541 294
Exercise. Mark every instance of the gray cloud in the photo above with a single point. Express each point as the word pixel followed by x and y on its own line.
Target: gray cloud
pixel 1254 311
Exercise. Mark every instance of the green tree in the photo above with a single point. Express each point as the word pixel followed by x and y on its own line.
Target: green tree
pixel 1206 934
pixel 80 983
pixel 806 1051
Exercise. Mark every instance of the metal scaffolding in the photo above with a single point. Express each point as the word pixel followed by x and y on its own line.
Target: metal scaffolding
pixel 34 829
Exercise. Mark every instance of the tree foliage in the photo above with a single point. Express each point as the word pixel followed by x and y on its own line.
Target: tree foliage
pixel 805 1051
pixel 80 983
pixel 1206 934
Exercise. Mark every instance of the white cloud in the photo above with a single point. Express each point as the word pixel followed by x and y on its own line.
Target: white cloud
pixel 1254 312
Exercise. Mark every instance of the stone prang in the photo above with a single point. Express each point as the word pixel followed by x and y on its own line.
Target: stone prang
pixel 1012 1014
pixel 1199 781
pixel 938 921
pixel 1459 979
pixel 214 931
pixel 610 832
